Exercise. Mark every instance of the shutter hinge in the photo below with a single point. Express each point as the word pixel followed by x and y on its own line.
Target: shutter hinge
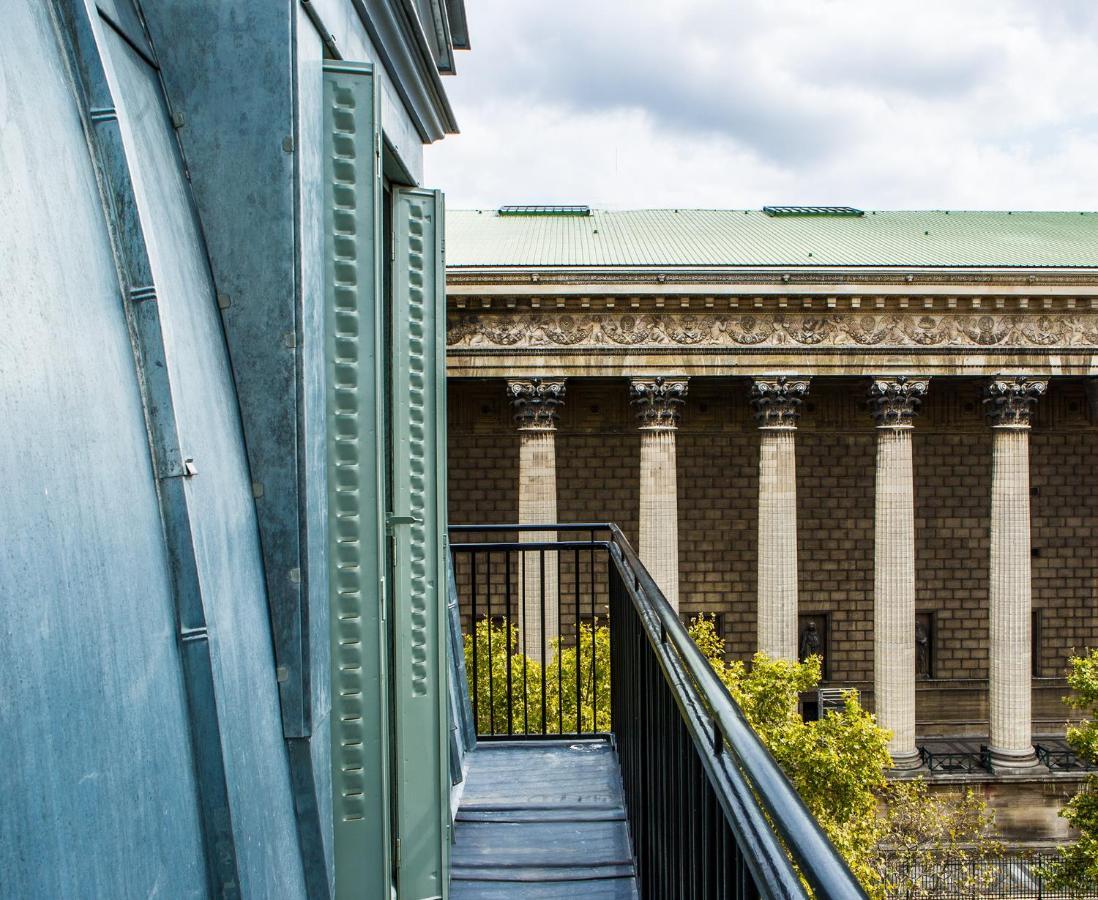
pixel 391 520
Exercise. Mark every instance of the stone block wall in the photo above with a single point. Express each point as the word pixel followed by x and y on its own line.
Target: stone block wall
pixel 598 450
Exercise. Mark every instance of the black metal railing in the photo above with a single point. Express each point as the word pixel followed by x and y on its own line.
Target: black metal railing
pixel 963 762
pixel 1061 759
pixel 1009 876
pixel 710 812
pixel 535 613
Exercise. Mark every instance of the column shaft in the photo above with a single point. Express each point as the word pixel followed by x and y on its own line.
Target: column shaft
pixel 536 402
pixel 657 402
pixel 1009 403
pixel 539 616
pixel 659 510
pixel 1010 598
pixel 777 403
pixel 894 402
pixel 894 593
pixel 777 560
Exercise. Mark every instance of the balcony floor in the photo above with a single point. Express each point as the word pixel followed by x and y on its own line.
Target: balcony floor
pixel 542 819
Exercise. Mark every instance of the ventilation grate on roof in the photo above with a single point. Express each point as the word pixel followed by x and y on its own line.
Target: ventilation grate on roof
pixel 544 211
pixel 812 211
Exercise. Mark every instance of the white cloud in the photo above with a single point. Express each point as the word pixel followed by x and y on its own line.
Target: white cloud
pixel 985 104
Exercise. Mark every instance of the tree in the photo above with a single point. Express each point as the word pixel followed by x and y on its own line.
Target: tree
pixel 837 764
pixel 935 844
pixel 1076 869
pixel 503 679
pixel 898 838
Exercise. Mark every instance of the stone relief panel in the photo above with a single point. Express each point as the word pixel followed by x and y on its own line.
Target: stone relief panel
pixel 547 330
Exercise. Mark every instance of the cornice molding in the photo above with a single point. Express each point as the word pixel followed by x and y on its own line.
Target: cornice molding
pixel 473 331
pixel 535 280
pixel 395 31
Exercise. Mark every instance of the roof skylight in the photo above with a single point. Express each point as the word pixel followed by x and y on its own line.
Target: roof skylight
pixel 812 211
pixel 544 210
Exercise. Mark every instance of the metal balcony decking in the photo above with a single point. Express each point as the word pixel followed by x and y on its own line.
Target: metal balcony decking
pixel 542 819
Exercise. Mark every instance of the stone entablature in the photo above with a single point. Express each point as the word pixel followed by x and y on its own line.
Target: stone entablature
pixel 538 330
pixel 1044 332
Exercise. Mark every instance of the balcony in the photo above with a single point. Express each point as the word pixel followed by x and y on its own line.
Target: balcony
pixel 609 761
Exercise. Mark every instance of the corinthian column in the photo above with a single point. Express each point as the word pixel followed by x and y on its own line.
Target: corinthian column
pixel 536 402
pixel 894 403
pixel 777 402
pixel 1009 404
pixel 657 401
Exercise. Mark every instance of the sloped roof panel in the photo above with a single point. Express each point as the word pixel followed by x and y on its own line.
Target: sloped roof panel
pixel 709 237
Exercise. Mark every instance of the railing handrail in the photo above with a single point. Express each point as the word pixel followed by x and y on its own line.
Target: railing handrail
pixel 570 526
pixel 755 777
pixel 816 857
pixel 529 546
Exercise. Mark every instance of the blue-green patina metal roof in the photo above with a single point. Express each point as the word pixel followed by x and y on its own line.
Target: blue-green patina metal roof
pixel 725 237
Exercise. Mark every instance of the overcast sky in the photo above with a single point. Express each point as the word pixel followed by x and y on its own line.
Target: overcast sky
pixel 882 104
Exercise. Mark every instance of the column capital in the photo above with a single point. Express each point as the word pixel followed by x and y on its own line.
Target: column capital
pixel 894 401
pixel 777 400
pixel 536 402
pixel 658 401
pixel 1009 402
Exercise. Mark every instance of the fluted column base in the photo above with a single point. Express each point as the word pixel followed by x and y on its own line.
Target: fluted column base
pixel 1006 762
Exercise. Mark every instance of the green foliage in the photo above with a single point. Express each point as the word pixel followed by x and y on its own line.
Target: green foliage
pixel 497 645
pixel 1077 866
pixel 837 764
pixel 932 842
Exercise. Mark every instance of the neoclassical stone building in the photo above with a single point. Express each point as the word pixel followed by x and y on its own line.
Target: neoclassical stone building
pixel 873 435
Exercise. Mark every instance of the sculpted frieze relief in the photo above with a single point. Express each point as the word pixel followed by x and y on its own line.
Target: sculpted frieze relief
pixel 730 329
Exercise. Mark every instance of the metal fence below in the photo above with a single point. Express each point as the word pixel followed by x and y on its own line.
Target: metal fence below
pixel 1061 759
pixel 1016 876
pixel 955 763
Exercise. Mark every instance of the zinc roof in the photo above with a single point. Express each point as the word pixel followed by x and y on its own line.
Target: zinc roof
pixel 727 237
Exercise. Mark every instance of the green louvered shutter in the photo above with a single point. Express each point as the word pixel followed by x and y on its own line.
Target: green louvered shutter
pixel 420 700
pixel 355 378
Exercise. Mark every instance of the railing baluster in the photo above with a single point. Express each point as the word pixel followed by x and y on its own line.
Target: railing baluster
pixel 525 646
pixel 544 630
pixel 491 658
pixel 579 635
pixel 476 641
pixel 594 649
pixel 507 614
